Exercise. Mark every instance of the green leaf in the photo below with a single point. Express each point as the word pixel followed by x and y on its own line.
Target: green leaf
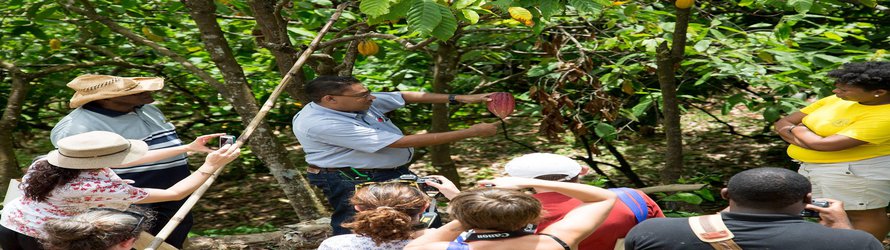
pixel 374 8
pixel 424 16
pixel 684 197
pixel 396 11
pixel 549 8
pixel 587 6
pixel 832 36
pixel 771 114
pixel 702 46
pixel 782 31
pixel 642 106
pixel 744 3
pixel 447 26
pixel 460 4
pixel 801 6
pixel 606 131
pixel 705 194
pixel 470 15
pixel 869 3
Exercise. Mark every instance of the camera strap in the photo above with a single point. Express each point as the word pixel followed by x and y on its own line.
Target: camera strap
pixel 427 218
pixel 473 236
pixel 711 229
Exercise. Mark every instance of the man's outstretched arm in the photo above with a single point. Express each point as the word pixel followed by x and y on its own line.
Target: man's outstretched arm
pixel 421 140
pixel 424 97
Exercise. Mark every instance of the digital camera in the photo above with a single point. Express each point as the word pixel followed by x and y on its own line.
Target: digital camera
pixel 813 213
pixel 422 183
pixel 226 139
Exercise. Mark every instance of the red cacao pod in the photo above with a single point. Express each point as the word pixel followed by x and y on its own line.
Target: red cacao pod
pixel 501 104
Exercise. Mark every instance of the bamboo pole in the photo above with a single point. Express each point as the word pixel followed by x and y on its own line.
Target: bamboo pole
pixel 187 206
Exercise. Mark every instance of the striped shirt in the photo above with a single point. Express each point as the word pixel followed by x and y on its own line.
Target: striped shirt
pixel 146 123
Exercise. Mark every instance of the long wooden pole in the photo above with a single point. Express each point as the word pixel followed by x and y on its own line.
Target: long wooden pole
pixel 187 206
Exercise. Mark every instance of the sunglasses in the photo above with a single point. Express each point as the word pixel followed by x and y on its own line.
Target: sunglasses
pixel 372 183
pixel 139 216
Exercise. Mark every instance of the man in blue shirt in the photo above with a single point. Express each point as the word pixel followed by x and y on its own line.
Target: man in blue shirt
pixel 348 139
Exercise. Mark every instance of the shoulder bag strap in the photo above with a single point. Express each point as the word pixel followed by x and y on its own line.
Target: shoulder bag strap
pixel 634 201
pixel 710 229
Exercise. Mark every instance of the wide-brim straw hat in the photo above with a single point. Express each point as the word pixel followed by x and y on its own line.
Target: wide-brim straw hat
pixel 96 149
pixel 89 88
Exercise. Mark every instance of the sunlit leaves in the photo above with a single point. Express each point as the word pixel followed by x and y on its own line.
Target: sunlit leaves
pixel 374 8
pixel 445 29
pixel 801 6
pixel 424 16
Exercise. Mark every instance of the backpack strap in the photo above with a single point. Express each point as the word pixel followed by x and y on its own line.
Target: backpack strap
pixel 710 229
pixel 634 201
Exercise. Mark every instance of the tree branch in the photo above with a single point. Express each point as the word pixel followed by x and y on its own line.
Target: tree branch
pixel 406 43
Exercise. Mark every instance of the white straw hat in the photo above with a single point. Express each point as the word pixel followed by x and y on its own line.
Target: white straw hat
pixel 540 164
pixel 96 149
pixel 89 88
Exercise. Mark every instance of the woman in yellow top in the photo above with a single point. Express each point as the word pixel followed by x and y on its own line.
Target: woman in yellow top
pixel 843 143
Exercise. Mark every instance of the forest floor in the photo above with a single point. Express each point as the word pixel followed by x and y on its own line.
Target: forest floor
pixel 254 203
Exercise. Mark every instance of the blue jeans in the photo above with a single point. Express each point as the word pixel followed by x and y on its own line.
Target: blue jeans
pixel 338 188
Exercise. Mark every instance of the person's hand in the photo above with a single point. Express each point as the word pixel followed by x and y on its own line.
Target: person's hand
pixel 508 183
pixel 832 216
pixel 477 98
pixel 447 188
pixel 200 143
pixel 485 129
pixel 222 156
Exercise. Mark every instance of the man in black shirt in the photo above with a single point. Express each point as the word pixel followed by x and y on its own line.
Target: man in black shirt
pixel 764 213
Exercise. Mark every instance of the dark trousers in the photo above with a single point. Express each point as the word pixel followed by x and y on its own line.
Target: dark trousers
pixel 12 240
pixel 163 212
pixel 338 188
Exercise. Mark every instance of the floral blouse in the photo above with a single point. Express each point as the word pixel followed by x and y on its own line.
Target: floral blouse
pixel 92 188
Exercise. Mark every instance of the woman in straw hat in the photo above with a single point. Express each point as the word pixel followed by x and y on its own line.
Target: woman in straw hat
pixel 77 177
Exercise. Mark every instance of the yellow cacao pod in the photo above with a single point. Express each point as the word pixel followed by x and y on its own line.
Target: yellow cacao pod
pixel 368 48
pixel 684 4
pixel 55 44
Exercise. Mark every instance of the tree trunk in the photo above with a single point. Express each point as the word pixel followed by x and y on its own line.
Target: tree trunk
pixel 275 39
pixel 236 91
pixel 445 58
pixel 668 60
pixel 8 123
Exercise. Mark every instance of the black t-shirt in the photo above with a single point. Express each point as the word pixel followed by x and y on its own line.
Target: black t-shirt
pixel 752 231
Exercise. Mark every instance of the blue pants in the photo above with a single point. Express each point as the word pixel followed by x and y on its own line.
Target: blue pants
pixel 338 188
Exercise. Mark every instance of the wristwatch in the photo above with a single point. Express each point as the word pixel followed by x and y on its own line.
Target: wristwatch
pixel 452 99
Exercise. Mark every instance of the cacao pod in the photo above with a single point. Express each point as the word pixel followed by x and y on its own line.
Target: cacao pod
pixel 501 104
pixel 684 4
pixel 55 44
pixel 368 48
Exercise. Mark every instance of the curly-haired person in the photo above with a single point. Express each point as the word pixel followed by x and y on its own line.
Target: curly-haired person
pixel 388 218
pixel 843 143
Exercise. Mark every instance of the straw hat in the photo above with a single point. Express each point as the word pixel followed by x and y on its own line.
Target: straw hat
pixel 89 88
pixel 96 149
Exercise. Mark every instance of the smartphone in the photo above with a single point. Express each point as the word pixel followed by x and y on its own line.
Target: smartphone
pixel 226 139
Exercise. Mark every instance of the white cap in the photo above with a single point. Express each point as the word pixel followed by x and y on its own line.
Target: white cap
pixel 539 164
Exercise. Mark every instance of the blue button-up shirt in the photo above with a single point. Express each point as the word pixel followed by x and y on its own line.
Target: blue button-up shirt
pixel 335 139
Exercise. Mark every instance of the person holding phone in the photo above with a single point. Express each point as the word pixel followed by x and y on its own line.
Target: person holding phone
pixel 123 105
pixel 78 176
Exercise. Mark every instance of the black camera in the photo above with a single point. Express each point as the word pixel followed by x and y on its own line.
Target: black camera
pixel 421 182
pixel 813 213
pixel 226 139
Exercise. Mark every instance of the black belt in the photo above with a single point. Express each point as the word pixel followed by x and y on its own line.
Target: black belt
pixel 316 169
